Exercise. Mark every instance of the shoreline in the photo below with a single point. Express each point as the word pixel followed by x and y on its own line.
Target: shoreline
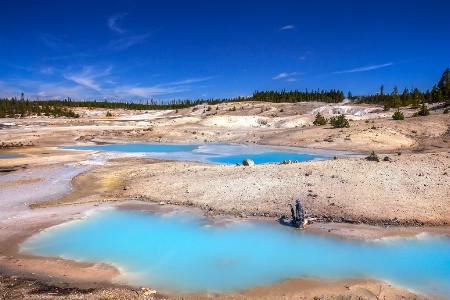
pixel 67 274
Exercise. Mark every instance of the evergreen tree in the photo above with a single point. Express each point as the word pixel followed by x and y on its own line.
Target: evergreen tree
pixel 339 122
pixel 320 120
pixel 415 98
pixel 444 86
pixel 405 97
pixel 398 115
pixel 395 98
pixel 423 110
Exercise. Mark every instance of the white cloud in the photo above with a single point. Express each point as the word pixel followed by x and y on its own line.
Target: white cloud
pixel 87 77
pixel 127 42
pixel 112 23
pixel 48 71
pixel 286 75
pixel 61 91
pixel 287 27
pixel 281 75
pixel 363 69
pixel 43 90
pixel 86 81
pixel 148 92
pixel 93 82
pixel 159 89
pixel 192 80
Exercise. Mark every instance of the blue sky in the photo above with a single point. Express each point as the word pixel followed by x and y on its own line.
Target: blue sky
pixel 200 49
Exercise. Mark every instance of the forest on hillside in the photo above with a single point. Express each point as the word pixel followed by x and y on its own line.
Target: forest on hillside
pixel 15 108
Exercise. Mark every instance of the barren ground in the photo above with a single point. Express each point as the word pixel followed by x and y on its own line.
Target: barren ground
pixel 412 187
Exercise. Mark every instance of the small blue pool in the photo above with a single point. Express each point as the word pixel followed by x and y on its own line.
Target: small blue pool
pixel 182 253
pixel 212 153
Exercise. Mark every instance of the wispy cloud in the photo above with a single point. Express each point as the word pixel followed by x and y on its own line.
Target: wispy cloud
pixel 188 81
pixel 364 69
pixel 87 77
pixel 94 82
pixel 159 89
pixel 51 40
pixel 287 27
pixel 286 75
pixel 127 42
pixel 48 70
pixel 59 91
pixel 86 81
pixel 125 39
pixel 65 57
pixel 18 67
pixel 35 89
pixel 112 23
pixel 281 75
pixel 151 91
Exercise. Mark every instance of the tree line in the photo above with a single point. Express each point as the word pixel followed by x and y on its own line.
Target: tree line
pixel 439 93
pixel 58 108
pixel 13 108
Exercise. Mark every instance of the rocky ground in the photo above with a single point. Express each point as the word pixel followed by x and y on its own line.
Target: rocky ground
pixel 409 185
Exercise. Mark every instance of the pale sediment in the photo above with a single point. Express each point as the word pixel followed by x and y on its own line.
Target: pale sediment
pixel 407 189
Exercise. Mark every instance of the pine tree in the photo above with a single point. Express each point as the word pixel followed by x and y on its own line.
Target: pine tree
pixel 339 122
pixel 444 86
pixel 320 120
pixel 423 110
pixel 398 115
pixel 395 97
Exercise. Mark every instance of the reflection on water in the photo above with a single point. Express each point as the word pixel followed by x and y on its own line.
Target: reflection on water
pixel 214 153
pixel 178 252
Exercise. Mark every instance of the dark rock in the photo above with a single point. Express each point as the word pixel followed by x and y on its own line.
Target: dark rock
pixel 373 158
pixel 248 162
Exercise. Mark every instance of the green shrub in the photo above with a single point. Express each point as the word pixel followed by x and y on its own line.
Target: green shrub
pixel 320 120
pixel 339 122
pixel 398 115
pixel 386 107
pixel 446 111
pixel 423 110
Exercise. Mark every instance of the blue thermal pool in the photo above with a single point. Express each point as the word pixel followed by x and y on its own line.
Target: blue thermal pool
pixel 177 252
pixel 212 153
